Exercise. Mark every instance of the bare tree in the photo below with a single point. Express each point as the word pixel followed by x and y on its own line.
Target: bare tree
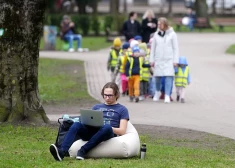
pixel 201 8
pixel 214 7
pixel 114 7
pixel 169 7
pixel 125 6
pixel 19 58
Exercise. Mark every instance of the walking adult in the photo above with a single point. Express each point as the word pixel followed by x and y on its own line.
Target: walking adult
pixel 131 27
pixel 149 25
pixel 164 57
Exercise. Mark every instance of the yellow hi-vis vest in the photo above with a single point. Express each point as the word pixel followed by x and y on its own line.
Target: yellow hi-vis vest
pixel 131 60
pixel 145 73
pixel 123 63
pixel 181 79
pixel 114 56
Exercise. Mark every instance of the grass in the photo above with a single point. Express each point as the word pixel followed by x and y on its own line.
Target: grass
pixel 231 49
pixel 93 43
pixel 27 146
pixel 62 81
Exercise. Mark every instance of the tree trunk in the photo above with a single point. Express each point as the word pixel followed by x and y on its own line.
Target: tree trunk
pixel 125 6
pixel 169 8
pixel 201 8
pixel 19 58
pixel 214 7
pixel 114 7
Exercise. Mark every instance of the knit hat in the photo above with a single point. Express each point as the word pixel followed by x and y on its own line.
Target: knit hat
pixel 135 49
pixel 126 45
pixel 117 42
pixel 134 43
pixel 138 38
pixel 66 17
pixel 143 46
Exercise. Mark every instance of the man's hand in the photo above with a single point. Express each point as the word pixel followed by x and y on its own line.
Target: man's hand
pixel 71 24
pixel 152 64
pixel 175 65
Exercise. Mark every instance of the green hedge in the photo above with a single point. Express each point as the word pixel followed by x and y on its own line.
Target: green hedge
pixel 86 24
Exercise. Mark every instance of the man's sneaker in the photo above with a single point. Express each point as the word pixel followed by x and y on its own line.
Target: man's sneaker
pixel 178 98
pixel 131 99
pixel 56 153
pixel 80 155
pixel 182 101
pixel 71 50
pixel 80 50
pixel 137 99
pixel 167 99
pixel 156 96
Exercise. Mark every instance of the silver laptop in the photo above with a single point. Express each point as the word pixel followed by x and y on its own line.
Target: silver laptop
pixel 92 117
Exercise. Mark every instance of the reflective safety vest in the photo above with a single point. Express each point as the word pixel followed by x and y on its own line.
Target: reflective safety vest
pixel 181 79
pixel 123 63
pixel 145 73
pixel 114 56
pixel 131 60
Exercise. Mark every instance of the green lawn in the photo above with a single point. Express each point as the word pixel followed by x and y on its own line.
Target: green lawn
pixel 28 146
pixel 62 81
pixel 231 49
pixel 93 43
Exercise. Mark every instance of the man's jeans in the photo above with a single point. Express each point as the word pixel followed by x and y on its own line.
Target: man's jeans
pixel 93 135
pixel 168 84
pixel 72 37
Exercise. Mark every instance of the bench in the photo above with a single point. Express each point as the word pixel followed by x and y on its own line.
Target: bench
pixel 200 24
pixel 221 22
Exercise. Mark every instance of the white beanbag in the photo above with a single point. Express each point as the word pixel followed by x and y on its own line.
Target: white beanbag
pixel 127 145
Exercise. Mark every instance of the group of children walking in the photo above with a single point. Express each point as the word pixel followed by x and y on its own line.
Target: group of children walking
pixel 130 68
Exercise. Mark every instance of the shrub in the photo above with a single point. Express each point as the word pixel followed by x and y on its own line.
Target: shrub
pixel 108 22
pixel 95 25
pixel 84 24
pixel 119 20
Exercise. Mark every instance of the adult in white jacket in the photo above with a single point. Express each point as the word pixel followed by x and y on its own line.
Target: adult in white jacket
pixel 164 57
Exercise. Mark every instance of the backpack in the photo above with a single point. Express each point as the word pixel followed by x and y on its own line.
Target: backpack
pixel 65 124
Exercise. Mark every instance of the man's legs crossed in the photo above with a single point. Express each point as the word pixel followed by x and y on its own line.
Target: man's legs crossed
pixel 103 134
pixel 76 129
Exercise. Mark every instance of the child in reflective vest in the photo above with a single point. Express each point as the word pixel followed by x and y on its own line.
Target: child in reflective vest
pixel 120 68
pixel 113 59
pixel 133 69
pixel 145 73
pixel 182 78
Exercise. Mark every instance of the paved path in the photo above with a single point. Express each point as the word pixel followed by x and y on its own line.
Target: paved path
pixel 210 98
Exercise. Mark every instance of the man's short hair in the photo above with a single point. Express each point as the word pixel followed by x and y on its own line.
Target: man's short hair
pixel 132 14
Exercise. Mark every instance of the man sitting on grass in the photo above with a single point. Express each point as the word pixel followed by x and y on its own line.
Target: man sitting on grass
pixel 116 113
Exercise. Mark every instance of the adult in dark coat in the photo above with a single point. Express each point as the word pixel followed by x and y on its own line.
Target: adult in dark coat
pixel 131 27
pixel 149 25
